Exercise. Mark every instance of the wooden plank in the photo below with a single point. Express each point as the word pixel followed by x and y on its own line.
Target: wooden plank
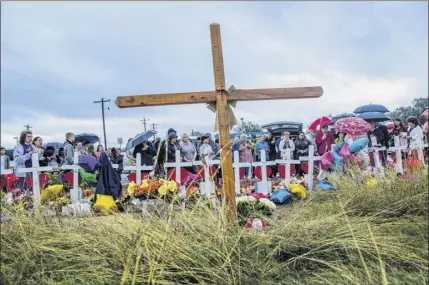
pixel 275 93
pixel 218 70
pixel 222 120
pixel 165 99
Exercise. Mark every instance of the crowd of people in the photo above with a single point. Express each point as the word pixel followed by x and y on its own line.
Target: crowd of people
pixel 158 152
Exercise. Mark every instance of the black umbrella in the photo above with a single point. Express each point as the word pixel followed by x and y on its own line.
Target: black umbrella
pixel 371 108
pixel 86 138
pixel 138 139
pixel 341 116
pixel 374 116
pixel 56 145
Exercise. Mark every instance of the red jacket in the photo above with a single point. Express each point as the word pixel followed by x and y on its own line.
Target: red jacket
pixel 324 145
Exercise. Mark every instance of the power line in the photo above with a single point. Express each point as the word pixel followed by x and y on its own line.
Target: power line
pixel 145 123
pixel 102 114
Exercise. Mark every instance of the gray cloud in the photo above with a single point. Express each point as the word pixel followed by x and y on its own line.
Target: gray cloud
pixel 58 57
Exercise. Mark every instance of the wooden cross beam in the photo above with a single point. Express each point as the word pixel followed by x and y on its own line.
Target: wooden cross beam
pixel 220 96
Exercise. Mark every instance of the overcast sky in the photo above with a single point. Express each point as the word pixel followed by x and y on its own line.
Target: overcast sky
pixel 58 57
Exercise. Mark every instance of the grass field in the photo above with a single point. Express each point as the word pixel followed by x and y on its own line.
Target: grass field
pixel 357 235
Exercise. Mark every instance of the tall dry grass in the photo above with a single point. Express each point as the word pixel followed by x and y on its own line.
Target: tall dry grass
pixel 357 235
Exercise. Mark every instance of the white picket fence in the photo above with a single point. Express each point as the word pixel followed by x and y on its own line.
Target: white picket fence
pixel 207 187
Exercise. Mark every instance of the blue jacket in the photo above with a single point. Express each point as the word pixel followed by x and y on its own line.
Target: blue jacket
pixel 20 158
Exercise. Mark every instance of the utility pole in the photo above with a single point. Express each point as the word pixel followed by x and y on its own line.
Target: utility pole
pixel 28 127
pixel 17 142
pixel 154 126
pixel 144 123
pixel 102 114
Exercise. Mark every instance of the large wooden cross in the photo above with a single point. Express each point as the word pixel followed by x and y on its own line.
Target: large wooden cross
pixel 220 97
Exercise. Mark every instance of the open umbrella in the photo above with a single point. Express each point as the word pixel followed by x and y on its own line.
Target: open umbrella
pixel 315 126
pixel 56 145
pixel 374 116
pixel 86 138
pixel 138 139
pixel 341 116
pixel 371 108
pixel 426 114
pixel 352 126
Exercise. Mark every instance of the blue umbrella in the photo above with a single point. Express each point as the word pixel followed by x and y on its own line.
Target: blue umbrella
pixel 371 108
pixel 374 116
pixel 56 145
pixel 86 138
pixel 138 139
pixel 341 116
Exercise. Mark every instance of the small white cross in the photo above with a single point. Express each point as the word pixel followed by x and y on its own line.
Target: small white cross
pixel 264 185
pixel 139 168
pixel 35 169
pixel 398 148
pixel 311 159
pixel 236 165
pixel 287 161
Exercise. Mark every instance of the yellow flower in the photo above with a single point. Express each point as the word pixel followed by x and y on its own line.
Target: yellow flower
pixel 172 186
pixel 51 193
pixel 163 190
pixel 298 189
pixel 369 181
pixel 145 184
pixel 131 188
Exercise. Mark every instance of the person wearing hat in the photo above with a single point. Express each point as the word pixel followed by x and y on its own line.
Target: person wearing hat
pixel 206 151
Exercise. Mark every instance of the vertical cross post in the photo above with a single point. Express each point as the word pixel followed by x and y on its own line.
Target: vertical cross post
pixel 222 118
pixel 287 161
pixel 35 169
pixel 237 165
pixel 75 193
pixel 311 159
pixel 398 148
pixel 264 186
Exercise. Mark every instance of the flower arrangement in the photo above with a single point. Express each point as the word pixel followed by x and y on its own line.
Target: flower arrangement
pixel 249 207
pixel 54 196
pixel 152 186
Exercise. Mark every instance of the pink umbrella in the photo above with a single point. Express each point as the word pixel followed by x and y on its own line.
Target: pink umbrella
pixel 352 126
pixel 315 126
pixel 426 114
pixel 425 127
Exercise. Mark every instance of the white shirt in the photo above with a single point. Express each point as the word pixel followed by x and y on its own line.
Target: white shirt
pixel 416 136
pixel 283 150
pixel 206 151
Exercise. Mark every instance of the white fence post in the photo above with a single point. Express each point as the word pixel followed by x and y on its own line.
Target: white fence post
pixel 3 168
pixel 287 161
pixel 378 169
pixel 236 165
pixel 237 173
pixel 35 169
pixel 398 148
pixel 311 159
pixel 264 186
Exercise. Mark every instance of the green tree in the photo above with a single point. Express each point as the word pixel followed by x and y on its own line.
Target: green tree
pixel 415 110
pixel 197 133
pixel 248 127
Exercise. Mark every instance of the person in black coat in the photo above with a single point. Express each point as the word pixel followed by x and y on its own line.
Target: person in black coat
pixel 147 151
pixel 302 148
pixel 117 158
pixel 108 182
